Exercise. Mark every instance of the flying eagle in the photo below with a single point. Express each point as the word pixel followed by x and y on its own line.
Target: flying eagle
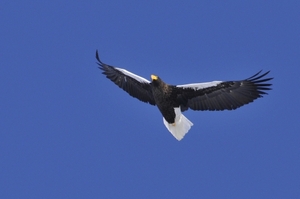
pixel 172 100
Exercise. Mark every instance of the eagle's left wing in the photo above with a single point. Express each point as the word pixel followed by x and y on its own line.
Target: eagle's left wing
pixel 227 95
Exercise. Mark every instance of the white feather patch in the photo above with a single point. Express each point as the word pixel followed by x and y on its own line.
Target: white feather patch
pixel 181 127
pixel 198 86
pixel 134 76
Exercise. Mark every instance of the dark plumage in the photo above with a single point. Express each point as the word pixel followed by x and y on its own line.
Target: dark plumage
pixel 172 99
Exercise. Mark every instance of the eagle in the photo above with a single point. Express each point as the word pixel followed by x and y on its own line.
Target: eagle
pixel 172 100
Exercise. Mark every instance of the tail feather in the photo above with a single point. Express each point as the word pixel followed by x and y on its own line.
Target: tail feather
pixel 181 127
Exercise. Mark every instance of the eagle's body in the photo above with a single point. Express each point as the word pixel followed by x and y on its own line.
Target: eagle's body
pixel 165 98
pixel 171 100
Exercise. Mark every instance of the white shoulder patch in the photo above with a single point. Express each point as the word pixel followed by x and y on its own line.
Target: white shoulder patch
pixel 198 86
pixel 132 75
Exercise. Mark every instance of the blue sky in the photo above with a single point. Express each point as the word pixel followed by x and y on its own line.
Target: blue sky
pixel 68 132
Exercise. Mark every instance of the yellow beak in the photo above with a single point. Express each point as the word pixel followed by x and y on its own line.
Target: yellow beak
pixel 153 77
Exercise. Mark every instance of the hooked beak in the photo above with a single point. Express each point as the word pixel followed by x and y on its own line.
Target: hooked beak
pixel 153 77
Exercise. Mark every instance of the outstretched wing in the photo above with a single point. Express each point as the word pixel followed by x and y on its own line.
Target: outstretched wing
pixel 228 95
pixel 133 84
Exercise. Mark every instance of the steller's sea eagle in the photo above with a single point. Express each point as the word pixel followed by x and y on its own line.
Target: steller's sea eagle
pixel 172 100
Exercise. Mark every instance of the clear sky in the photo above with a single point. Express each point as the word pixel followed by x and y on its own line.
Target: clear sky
pixel 68 132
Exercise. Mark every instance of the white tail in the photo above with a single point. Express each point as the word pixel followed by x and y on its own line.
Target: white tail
pixel 181 127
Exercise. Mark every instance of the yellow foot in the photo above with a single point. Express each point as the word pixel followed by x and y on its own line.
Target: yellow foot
pixel 174 124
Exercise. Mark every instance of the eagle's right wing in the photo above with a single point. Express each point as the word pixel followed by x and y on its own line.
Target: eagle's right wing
pixel 133 84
